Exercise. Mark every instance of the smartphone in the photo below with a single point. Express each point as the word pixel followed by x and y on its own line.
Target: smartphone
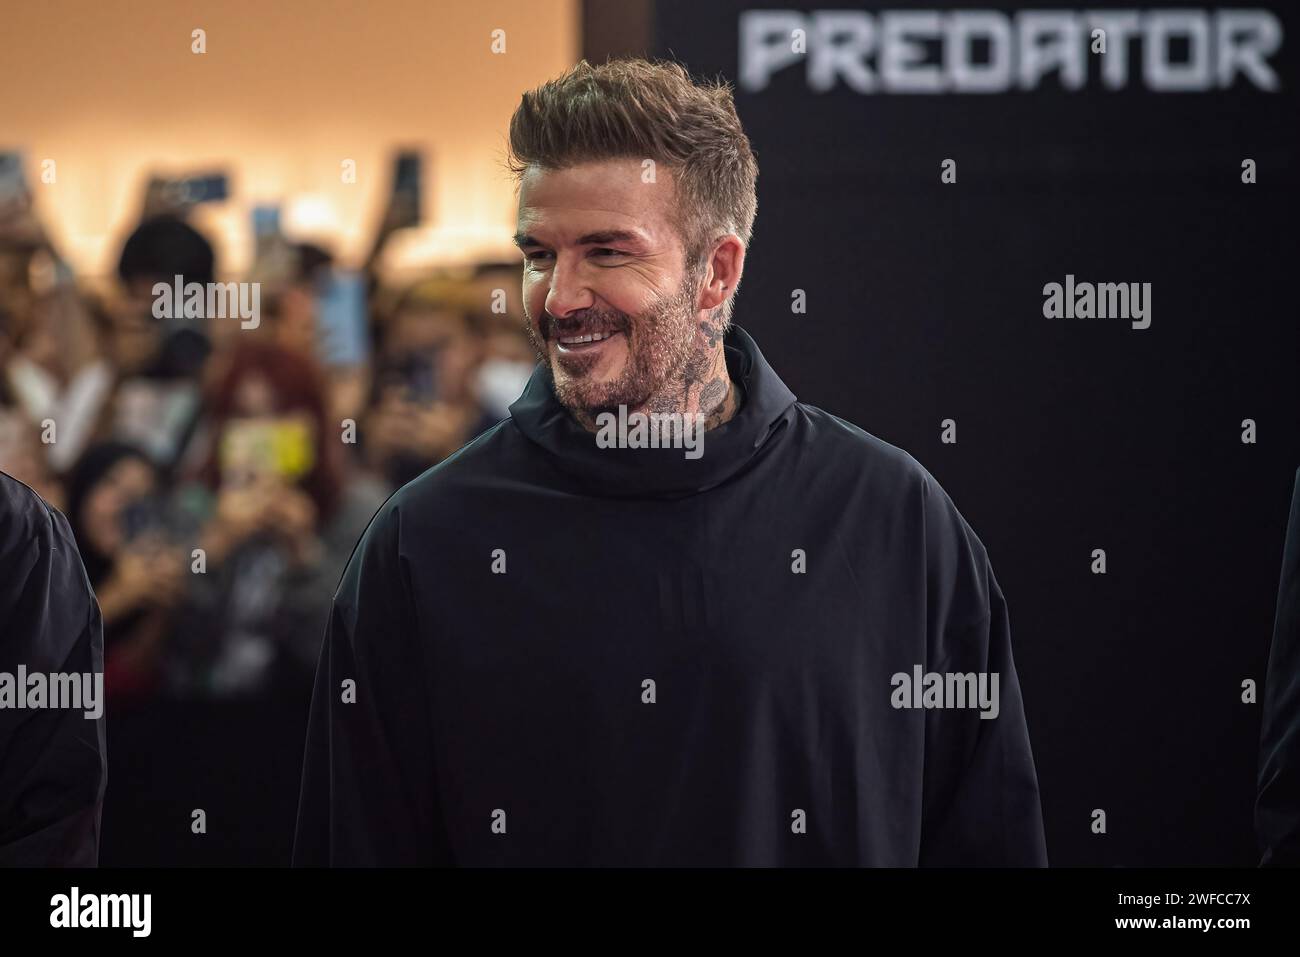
pixel 167 196
pixel 142 517
pixel 341 319
pixel 266 221
pixel 407 187
pixel 209 188
pixel 259 447
pixel 416 374
pixel 13 182
pixel 421 374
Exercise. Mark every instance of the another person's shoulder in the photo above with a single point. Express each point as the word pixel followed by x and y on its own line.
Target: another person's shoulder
pixel 25 518
pixel 33 532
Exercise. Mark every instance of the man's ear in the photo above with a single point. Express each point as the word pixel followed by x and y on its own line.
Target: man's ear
pixel 722 274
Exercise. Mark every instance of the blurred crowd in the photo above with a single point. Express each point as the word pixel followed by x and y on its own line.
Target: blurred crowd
pixel 217 474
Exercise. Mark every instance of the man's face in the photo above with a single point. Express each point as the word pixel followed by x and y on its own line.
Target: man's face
pixel 609 304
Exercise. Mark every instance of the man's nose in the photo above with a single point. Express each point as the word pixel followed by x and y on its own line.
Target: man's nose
pixel 569 291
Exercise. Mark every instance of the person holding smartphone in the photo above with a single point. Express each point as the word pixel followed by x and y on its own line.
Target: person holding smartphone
pixel 423 404
pixel 139 577
pixel 280 514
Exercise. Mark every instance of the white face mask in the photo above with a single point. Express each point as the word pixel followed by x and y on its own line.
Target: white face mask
pixel 499 382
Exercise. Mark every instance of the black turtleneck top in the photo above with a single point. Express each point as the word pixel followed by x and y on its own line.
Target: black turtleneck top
pixel 544 652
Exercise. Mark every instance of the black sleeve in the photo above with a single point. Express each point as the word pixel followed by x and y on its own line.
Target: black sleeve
pixel 53 761
pixel 981 803
pixel 369 788
pixel 1277 805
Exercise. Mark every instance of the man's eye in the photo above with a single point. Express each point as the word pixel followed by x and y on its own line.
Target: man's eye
pixel 603 252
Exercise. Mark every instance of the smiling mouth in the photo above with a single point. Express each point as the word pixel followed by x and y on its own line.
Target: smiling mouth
pixel 584 343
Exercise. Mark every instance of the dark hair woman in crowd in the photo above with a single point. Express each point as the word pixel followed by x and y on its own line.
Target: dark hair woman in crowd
pixel 138 576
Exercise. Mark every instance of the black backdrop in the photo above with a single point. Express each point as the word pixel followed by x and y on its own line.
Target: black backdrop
pixel 925 302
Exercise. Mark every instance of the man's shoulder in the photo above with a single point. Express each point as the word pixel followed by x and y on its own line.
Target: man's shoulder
pixel 891 477
pixel 902 496
pixel 865 456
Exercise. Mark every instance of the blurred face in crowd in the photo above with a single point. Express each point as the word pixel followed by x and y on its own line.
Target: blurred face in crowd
pixel 506 342
pixel 295 325
pixel 36 338
pixel 128 481
pixel 442 337
pixel 254 397
pixel 135 333
pixel 609 304
pixel 16 295
pixel 21 453
pixel 13 271
pixel 259 442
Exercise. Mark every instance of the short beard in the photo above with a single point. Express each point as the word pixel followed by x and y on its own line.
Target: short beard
pixel 664 359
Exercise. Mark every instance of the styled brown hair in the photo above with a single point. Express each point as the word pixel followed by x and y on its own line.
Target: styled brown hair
pixel 647 109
